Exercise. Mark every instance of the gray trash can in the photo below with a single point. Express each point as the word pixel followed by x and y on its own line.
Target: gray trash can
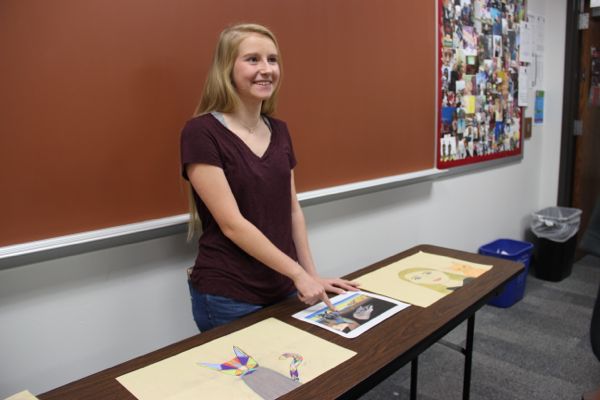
pixel 556 229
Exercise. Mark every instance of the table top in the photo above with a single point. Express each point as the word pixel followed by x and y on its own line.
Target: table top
pixel 380 351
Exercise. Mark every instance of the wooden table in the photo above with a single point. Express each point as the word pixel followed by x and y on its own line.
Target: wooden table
pixel 380 351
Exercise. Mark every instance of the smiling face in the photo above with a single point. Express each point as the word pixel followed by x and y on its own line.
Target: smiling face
pixel 427 277
pixel 256 72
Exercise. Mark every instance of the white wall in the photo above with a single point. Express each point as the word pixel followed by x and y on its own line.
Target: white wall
pixel 67 318
pixel 547 140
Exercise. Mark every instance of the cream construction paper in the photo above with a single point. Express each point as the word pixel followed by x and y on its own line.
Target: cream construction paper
pixel 24 395
pixel 262 361
pixel 356 313
pixel 421 279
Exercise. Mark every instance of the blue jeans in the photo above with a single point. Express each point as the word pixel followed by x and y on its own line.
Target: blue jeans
pixel 211 311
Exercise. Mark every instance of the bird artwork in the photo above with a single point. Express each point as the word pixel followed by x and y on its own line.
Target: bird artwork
pixel 265 382
pixel 269 359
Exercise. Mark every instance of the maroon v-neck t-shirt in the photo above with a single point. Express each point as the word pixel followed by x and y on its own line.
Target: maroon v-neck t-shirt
pixel 262 189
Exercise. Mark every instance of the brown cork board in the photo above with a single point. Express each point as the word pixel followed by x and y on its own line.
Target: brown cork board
pixel 94 95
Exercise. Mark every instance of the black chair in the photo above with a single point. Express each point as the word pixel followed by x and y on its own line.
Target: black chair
pixel 590 243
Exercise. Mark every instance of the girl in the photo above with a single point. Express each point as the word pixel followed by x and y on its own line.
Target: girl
pixel 239 160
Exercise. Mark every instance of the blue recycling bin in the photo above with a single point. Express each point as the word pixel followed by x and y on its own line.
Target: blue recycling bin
pixel 514 250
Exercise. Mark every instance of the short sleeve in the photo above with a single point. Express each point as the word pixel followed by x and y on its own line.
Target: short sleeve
pixel 293 161
pixel 198 146
pixel 289 146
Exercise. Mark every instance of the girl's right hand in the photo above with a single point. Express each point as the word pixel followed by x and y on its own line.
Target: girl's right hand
pixel 311 291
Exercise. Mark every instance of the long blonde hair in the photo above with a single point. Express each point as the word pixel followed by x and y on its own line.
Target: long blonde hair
pixel 219 92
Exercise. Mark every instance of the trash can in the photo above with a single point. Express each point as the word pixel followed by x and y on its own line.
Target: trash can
pixel 555 229
pixel 514 250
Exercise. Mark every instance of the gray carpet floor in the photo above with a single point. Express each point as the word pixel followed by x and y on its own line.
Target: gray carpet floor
pixel 539 348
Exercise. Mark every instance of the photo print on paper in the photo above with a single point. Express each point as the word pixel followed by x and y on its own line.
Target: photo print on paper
pixel 355 313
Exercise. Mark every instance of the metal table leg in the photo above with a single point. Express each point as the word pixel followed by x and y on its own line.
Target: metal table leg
pixel 468 357
pixel 414 376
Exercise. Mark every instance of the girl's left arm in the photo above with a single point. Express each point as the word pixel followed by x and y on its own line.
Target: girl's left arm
pixel 300 237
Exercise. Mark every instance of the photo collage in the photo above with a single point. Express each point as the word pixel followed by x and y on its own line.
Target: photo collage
pixel 479 116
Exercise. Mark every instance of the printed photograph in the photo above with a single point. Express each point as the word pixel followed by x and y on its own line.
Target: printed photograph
pixel 355 313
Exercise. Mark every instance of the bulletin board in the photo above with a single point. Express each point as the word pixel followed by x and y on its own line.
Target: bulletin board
pixel 479 117
pixel 95 94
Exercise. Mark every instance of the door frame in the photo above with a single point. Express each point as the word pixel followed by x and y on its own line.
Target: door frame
pixel 570 105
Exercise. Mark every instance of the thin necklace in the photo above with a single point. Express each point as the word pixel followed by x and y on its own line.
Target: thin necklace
pixel 253 128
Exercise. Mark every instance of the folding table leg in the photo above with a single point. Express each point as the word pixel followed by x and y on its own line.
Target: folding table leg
pixel 468 357
pixel 414 376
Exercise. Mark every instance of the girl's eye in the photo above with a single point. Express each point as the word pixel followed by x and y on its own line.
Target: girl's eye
pixel 273 60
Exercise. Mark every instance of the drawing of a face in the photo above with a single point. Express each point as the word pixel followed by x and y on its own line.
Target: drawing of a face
pixel 427 277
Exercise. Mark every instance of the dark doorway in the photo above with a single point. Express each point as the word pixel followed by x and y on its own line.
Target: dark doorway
pixel 579 183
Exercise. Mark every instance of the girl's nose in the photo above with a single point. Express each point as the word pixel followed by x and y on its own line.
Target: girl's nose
pixel 265 67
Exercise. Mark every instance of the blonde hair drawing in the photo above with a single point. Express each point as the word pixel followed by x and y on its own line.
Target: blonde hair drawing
pixel 440 281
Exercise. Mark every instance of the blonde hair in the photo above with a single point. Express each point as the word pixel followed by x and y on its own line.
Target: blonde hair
pixel 219 92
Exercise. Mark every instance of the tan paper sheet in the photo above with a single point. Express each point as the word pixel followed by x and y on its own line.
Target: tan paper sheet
pixel 266 342
pixel 421 279
pixel 24 395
